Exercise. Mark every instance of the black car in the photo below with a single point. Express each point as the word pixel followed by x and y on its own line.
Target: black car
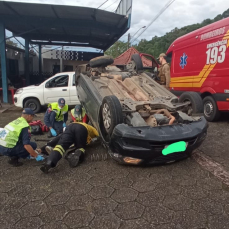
pixel 139 121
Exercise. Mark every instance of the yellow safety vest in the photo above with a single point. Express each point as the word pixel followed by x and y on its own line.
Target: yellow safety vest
pixel 79 118
pixel 59 112
pixel 9 136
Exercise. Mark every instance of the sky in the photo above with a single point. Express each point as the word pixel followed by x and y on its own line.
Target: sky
pixel 179 14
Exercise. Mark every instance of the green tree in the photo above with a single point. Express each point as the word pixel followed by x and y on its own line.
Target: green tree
pixel 117 49
pixel 158 45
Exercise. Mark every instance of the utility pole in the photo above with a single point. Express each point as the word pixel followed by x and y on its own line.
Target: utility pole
pixel 128 42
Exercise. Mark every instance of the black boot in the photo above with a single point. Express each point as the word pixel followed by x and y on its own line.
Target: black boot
pixel 45 168
pixel 51 162
pixel 14 162
pixel 75 158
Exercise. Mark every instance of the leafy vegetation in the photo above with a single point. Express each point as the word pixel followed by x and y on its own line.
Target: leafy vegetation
pixel 158 45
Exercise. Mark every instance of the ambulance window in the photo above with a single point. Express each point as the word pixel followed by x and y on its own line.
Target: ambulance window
pixel 169 57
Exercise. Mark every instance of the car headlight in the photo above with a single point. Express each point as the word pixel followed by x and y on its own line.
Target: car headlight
pixel 19 91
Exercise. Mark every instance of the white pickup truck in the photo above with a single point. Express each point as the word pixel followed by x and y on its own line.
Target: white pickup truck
pixel 61 85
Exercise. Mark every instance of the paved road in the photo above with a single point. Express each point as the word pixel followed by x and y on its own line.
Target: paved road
pixel 103 194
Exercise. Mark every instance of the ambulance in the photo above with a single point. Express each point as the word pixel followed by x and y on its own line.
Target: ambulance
pixel 200 62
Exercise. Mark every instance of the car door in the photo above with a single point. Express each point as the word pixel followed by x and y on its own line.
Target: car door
pixel 57 87
pixel 73 91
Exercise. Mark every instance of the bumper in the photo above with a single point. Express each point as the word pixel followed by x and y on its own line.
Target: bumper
pixel 147 143
pixel 17 101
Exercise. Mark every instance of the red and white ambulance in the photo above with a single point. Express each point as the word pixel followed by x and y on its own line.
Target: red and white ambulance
pixel 200 63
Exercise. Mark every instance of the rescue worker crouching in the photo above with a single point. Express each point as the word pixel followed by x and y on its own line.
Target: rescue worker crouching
pixel 78 133
pixel 164 71
pixel 15 140
pixel 78 114
pixel 56 117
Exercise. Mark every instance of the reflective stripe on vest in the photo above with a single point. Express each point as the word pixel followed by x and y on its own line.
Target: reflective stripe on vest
pixel 10 134
pixel 59 112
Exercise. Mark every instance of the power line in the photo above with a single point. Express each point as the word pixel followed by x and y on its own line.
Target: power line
pixel 111 4
pixel 102 4
pixel 155 18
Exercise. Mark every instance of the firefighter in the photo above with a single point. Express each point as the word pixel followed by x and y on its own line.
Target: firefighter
pixel 164 71
pixel 15 140
pixel 56 117
pixel 78 133
pixel 78 114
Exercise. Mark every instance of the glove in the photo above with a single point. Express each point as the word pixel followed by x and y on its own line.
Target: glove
pixel 39 158
pixel 64 124
pixel 53 132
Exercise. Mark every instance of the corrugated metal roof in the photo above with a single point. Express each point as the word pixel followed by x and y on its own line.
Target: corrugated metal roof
pixel 92 27
pixel 125 58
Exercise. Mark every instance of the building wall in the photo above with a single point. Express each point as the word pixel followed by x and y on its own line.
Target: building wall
pixel 49 63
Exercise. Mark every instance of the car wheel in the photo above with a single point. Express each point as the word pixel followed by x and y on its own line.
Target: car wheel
pixel 211 112
pixel 138 62
pixel 195 99
pixel 101 61
pixel 111 111
pixel 33 104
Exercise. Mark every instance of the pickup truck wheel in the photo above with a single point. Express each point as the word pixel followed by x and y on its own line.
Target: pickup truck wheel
pixel 195 99
pixel 101 61
pixel 111 113
pixel 211 112
pixel 33 104
pixel 138 62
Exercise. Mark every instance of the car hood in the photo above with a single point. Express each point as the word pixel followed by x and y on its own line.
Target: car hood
pixel 30 87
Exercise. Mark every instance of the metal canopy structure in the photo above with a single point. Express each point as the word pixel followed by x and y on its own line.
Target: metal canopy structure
pixel 58 25
pixel 63 25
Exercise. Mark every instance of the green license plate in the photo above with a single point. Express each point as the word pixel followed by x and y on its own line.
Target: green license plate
pixel 175 147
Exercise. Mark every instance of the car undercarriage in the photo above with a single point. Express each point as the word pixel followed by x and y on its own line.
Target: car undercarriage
pixel 131 101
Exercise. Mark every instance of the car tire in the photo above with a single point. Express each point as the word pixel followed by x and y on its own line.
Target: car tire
pixel 33 104
pixel 138 62
pixel 211 112
pixel 101 61
pixel 111 111
pixel 195 99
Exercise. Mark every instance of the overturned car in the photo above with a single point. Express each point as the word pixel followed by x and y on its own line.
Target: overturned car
pixel 137 118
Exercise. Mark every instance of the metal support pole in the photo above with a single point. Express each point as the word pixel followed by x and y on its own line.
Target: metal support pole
pixel 27 62
pixel 40 61
pixel 3 63
pixel 128 42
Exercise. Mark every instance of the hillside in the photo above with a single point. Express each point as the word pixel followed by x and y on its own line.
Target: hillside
pixel 157 45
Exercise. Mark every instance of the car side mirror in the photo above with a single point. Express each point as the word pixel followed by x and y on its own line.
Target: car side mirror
pixel 47 85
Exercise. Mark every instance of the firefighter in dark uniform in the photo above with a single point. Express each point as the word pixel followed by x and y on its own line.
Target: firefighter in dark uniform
pixel 164 71
pixel 78 133
pixel 56 117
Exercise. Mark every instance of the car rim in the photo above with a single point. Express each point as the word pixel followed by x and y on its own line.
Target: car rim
pixel 208 108
pixel 32 106
pixel 106 116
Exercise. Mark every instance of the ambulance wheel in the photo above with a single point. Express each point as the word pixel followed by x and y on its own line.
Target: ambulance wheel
pixel 195 99
pixel 211 112
pixel 33 104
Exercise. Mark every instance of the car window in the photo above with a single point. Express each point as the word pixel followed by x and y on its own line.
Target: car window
pixel 74 80
pixel 169 58
pixel 59 81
